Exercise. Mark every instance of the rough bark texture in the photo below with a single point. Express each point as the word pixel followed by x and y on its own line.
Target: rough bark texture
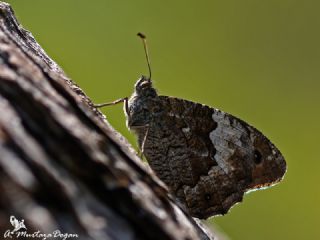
pixel 62 166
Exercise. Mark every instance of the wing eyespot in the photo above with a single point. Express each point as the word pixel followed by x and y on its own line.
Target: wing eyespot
pixel 207 197
pixel 257 157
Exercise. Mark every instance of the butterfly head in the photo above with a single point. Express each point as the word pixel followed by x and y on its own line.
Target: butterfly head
pixel 144 87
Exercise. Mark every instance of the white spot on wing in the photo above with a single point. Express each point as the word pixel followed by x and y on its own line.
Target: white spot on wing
pixel 186 130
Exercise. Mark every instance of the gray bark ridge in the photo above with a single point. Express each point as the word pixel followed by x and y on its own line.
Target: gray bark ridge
pixel 62 166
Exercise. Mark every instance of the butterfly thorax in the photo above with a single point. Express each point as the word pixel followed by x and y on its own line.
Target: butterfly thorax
pixel 143 106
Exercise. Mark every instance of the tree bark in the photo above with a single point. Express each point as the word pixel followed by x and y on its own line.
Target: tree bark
pixel 62 166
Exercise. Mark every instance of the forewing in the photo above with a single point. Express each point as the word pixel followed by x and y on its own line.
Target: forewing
pixel 215 157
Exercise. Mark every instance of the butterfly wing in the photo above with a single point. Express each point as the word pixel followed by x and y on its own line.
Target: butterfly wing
pixel 208 158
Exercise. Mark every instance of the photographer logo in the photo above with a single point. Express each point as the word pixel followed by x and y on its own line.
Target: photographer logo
pixel 19 230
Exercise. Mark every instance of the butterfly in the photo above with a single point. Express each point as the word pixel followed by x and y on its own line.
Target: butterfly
pixel 206 157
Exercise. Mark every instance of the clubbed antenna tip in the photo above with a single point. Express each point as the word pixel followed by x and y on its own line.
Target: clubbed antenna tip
pixel 141 35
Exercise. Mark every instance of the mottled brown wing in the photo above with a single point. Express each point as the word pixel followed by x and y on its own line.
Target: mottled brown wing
pixel 209 158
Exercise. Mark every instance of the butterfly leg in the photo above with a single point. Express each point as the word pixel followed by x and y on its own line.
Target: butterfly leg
pixel 124 100
pixel 143 142
pixel 140 153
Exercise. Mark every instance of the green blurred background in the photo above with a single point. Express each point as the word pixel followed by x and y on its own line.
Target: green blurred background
pixel 258 60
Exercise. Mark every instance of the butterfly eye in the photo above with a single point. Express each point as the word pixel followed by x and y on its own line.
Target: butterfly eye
pixel 257 157
pixel 156 109
pixel 145 111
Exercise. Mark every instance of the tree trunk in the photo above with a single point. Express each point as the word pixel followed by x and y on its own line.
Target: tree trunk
pixel 62 166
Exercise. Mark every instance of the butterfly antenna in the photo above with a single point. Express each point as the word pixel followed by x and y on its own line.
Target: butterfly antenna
pixel 144 41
